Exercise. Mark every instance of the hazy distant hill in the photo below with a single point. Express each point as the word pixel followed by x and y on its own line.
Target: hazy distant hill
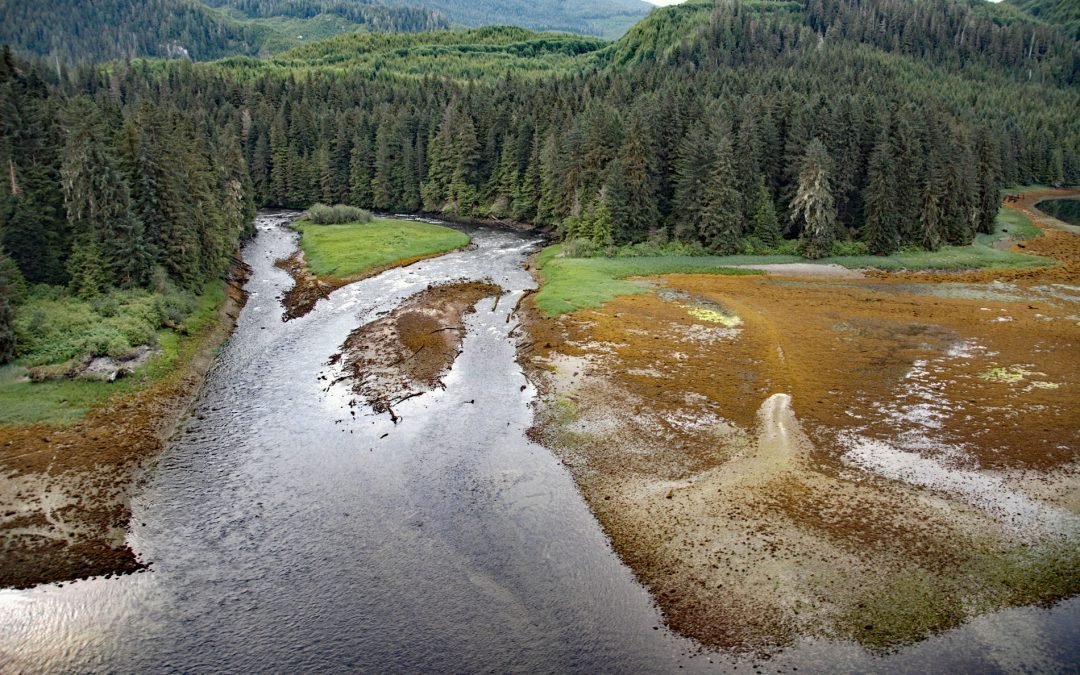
pixel 97 30
pixel 606 18
pixel 1062 13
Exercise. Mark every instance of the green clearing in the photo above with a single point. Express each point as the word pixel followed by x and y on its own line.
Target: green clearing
pixel 570 284
pixel 483 54
pixel 947 258
pixel 67 401
pixel 575 283
pixel 356 248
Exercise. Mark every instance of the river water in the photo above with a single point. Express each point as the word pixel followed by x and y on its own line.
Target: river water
pixel 1065 210
pixel 286 534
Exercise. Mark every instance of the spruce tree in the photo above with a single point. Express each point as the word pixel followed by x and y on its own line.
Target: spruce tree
pixel 7 311
pixel 693 158
pixel 813 210
pixel 721 219
pixel 766 224
pixel 880 230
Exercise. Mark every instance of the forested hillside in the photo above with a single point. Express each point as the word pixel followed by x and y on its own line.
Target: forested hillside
pixel 1062 13
pixel 760 126
pixel 100 30
pixel 606 18
pixel 95 199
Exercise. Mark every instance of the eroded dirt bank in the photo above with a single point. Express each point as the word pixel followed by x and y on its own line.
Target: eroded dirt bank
pixel 407 352
pixel 873 458
pixel 309 288
pixel 64 491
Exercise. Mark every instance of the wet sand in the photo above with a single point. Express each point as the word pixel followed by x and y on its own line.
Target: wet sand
pixel 875 458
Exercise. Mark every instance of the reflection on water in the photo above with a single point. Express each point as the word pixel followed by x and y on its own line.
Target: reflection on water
pixel 285 534
pixel 1065 210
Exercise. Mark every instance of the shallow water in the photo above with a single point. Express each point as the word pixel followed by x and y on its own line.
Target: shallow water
pixel 285 534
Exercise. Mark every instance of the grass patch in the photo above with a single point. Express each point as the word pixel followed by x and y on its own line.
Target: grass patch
pixel 575 283
pixel 1010 223
pixel 348 250
pixel 72 328
pixel 949 258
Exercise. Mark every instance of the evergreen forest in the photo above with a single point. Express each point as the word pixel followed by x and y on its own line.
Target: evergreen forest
pixel 736 126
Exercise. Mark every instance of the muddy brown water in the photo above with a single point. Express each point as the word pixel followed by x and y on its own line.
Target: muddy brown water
pixel 286 534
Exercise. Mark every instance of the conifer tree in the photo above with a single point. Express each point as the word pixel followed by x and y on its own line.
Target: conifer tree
pixel 813 210
pixel 600 225
pixel 693 158
pixel 360 172
pixel 880 230
pixel 721 219
pixel 7 312
pixel 630 194
pixel 766 224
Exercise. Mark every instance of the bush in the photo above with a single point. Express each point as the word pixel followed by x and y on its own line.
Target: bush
pixel 579 247
pixel 53 328
pixel 321 214
pixel 754 246
pixel 849 248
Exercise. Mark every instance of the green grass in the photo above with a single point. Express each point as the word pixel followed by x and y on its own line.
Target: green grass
pixel 948 258
pixel 570 284
pixel 483 54
pixel 353 249
pixel 1010 223
pixel 64 402
pixel 575 283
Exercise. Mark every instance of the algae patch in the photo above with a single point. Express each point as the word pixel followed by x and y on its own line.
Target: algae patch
pixel 1007 374
pixel 708 315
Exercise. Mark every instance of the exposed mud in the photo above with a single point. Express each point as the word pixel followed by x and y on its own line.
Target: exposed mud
pixel 64 490
pixel 407 352
pixel 309 288
pixel 874 458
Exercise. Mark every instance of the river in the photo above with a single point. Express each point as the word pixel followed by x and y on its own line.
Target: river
pixel 286 534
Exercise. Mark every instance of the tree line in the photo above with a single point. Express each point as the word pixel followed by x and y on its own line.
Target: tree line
pixel 734 128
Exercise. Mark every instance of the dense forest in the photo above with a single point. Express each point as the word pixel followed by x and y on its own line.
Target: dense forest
pixel 99 30
pixel 94 199
pixel 820 126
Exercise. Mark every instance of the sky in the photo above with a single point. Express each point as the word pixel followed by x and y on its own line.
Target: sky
pixel 663 3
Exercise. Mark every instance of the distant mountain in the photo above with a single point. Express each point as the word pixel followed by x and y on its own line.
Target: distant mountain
pixel 1062 13
pixel 605 18
pixel 99 30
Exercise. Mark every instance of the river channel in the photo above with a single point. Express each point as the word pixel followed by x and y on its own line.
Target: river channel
pixel 285 533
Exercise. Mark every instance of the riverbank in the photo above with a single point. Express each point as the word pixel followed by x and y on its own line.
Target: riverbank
pixel 65 488
pixel 786 456
pixel 332 256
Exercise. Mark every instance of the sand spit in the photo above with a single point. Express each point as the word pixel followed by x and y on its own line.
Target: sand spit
pixel 407 352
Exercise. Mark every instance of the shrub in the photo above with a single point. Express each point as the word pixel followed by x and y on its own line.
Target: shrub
pixel 754 246
pixel 579 247
pixel 849 248
pixel 321 214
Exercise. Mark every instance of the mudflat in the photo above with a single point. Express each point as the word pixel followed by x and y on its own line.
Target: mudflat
pixel 876 458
